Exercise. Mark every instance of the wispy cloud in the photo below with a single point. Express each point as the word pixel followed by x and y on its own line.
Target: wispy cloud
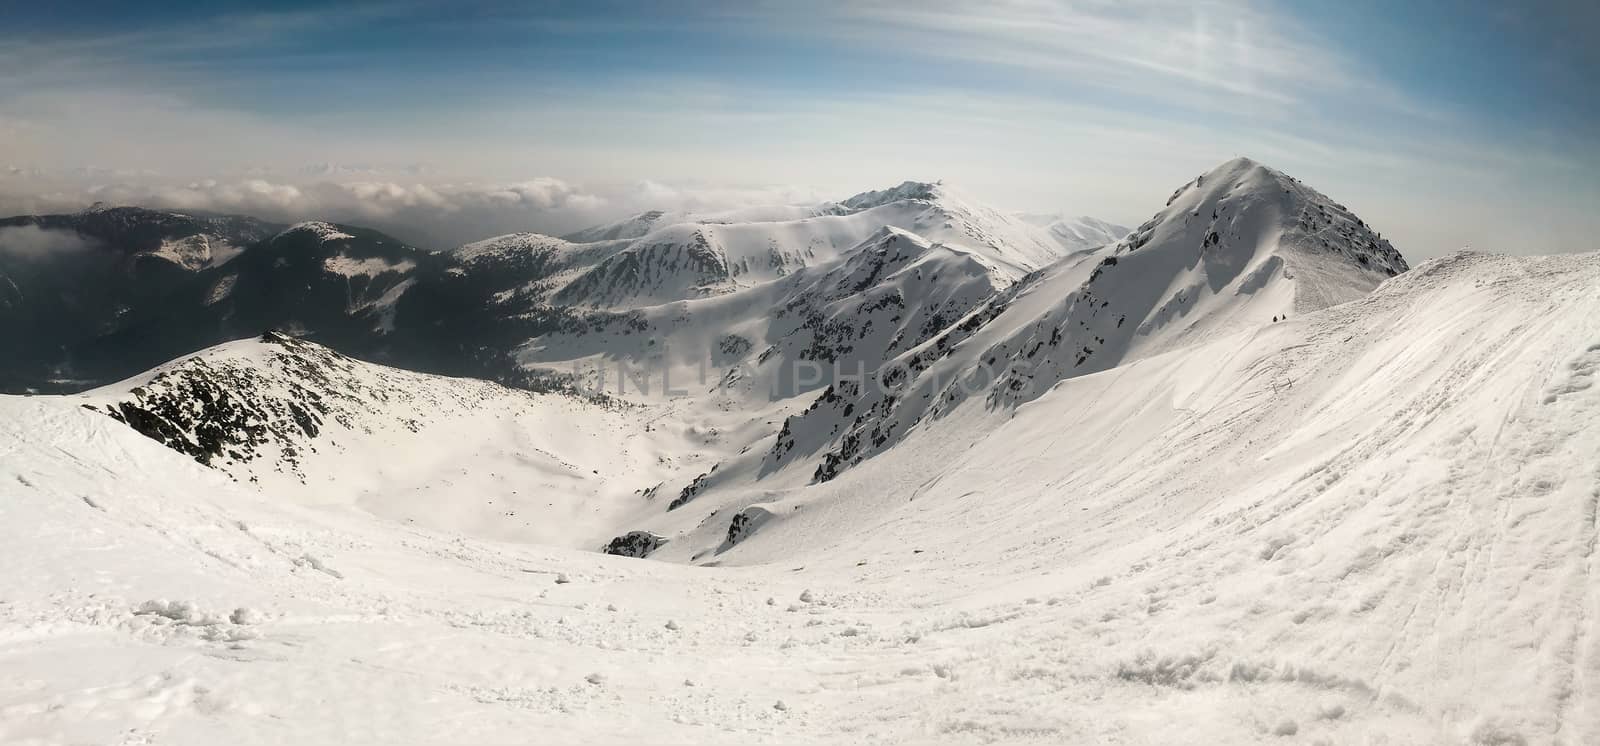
pixel 1094 106
pixel 1162 48
pixel 436 215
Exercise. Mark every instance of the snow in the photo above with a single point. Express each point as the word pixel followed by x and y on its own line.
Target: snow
pixel 638 226
pixel 534 459
pixel 197 252
pixel 508 245
pixel 365 267
pixel 221 289
pixel 661 257
pixel 388 304
pixel 1374 521
pixel 1078 233
pixel 323 231
pixel 888 294
pixel 1230 255
pixel 632 227
pixel 1366 522
pixel 907 190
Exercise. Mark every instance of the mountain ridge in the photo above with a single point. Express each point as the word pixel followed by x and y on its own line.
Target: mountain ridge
pixel 461 312
pixel 1224 255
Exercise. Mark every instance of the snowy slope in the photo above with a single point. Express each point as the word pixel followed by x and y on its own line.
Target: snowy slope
pixel 159 285
pixel 1371 523
pixel 1275 248
pixel 740 304
pixel 634 226
pixel 789 336
pixel 948 215
pixel 1078 233
pixel 695 256
pixel 637 226
pixel 1239 477
pixel 512 247
pixel 294 418
pixel 519 268
pixel 1376 521
pixel 1239 247
pixel 552 303
pixel 149 599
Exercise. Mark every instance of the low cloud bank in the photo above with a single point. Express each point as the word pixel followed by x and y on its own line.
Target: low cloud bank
pixel 431 215
pixel 30 242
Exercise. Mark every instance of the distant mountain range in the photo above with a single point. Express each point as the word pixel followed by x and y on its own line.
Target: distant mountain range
pixel 95 296
pixel 839 328
pixel 897 467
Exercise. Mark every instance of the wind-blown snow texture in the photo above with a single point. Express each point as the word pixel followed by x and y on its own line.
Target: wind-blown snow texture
pixel 1230 482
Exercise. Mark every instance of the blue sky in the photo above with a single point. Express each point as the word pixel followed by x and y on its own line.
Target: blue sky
pixel 1443 123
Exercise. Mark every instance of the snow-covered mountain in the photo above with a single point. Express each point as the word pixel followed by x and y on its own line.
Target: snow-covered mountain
pixel 785 337
pixel 1077 233
pixel 460 312
pixel 141 287
pixel 899 327
pixel 702 256
pixel 638 226
pixel 746 295
pixel 901 468
pixel 1240 247
pixel 635 226
pixel 68 278
pixel 293 418
pixel 896 331
pixel 1371 522
pixel 141 236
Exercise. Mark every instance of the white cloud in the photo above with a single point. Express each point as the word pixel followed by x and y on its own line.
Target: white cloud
pixel 1178 50
pixel 692 197
pixel 32 242
pixel 1011 106
pixel 437 214
pixel 427 213
pixel 540 194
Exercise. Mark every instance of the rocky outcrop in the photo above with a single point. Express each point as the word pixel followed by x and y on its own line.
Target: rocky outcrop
pixel 634 544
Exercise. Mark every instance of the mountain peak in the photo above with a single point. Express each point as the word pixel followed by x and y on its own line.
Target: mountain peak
pixel 634 226
pixel 129 212
pixel 510 244
pixel 906 190
pixel 1241 163
pixel 888 234
pixel 1238 248
pixel 323 230
pixel 1246 210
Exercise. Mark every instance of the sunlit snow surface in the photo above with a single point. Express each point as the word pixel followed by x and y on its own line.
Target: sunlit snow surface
pixel 1234 476
pixel 1373 523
